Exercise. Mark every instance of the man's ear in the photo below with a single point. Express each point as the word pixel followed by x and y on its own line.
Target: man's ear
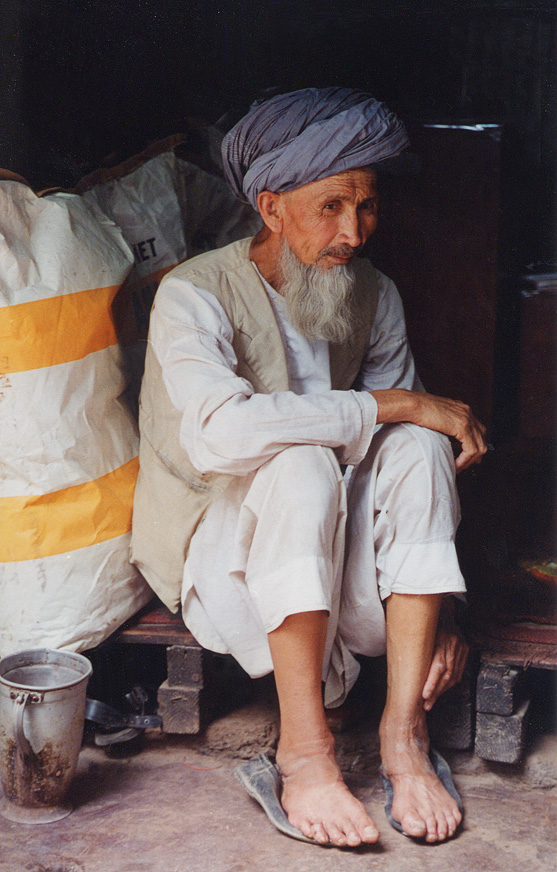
pixel 270 209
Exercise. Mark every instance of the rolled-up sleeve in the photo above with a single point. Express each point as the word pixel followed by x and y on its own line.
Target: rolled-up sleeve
pixel 226 427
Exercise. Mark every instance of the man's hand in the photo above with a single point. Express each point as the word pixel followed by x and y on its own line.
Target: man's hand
pixel 447 664
pixel 436 413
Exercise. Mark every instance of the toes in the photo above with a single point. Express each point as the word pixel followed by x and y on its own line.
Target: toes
pixel 319 834
pixel 348 833
pixel 447 822
pixel 431 826
pixel 453 822
pixel 352 837
pixel 305 827
pixel 370 834
pixel 442 828
pixel 336 836
pixel 413 824
pixel 364 826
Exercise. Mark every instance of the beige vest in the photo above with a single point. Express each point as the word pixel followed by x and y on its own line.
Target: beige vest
pixel 171 496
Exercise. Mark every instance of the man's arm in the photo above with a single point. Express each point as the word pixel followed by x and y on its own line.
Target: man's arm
pixel 447 416
pixel 226 426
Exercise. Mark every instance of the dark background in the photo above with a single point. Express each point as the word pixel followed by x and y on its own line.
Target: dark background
pixel 83 79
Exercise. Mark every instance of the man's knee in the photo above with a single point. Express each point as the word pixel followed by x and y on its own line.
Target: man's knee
pixel 415 473
pixel 400 450
pixel 307 475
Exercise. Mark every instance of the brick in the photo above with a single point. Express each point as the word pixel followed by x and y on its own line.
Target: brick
pixel 185 665
pixel 181 708
pixel 500 689
pixel 502 738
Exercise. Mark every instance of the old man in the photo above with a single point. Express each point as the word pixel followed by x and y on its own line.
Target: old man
pixel 297 487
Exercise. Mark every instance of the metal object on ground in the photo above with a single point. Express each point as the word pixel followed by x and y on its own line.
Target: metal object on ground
pixel 42 712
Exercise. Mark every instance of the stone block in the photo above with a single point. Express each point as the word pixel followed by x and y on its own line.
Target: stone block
pixel 502 738
pixel 185 665
pixel 500 689
pixel 181 708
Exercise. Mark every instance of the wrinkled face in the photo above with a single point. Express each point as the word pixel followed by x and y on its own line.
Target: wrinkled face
pixel 326 223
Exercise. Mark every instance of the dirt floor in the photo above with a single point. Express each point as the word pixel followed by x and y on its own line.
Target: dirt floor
pixel 175 806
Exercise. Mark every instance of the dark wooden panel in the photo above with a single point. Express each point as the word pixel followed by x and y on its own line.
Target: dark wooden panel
pixel 438 240
pixel 538 363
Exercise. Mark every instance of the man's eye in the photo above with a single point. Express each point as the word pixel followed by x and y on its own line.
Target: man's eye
pixel 330 207
pixel 369 206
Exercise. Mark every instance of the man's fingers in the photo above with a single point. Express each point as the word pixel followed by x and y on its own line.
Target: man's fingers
pixel 470 433
pixel 447 667
pixel 436 670
pixel 473 449
pixel 461 661
pixel 443 684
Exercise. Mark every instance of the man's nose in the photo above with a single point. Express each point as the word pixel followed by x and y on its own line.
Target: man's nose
pixel 351 230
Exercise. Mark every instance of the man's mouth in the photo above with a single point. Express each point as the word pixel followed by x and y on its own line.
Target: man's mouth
pixel 341 253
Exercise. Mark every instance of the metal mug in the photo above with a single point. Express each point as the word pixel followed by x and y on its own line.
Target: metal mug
pixel 42 714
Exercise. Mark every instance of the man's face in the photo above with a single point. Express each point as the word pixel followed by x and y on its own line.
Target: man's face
pixel 326 223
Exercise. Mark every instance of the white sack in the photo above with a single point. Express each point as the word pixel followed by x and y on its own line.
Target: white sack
pixel 68 445
pixel 168 210
pixel 148 206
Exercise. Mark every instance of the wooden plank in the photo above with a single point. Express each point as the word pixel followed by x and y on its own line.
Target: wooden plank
pixel 155 625
pixel 156 634
pixel 526 631
pixel 513 652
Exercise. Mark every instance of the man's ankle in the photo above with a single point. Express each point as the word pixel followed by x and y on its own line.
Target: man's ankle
pixel 293 753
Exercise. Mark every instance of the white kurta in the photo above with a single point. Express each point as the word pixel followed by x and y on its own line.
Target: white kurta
pixel 274 544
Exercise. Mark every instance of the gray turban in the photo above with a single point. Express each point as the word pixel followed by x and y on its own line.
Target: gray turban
pixel 301 137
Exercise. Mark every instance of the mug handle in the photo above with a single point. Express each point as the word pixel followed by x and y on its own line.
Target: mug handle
pixel 21 701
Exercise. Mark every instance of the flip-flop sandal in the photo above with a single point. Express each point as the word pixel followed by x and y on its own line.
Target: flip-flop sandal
pixel 261 779
pixel 443 773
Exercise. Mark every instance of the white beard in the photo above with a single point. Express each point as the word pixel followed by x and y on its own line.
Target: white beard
pixel 320 301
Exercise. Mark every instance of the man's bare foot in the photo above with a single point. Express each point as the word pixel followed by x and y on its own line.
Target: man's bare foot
pixel 318 802
pixel 421 804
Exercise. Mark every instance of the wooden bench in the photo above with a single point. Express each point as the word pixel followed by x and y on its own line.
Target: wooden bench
pixel 199 683
pixel 488 710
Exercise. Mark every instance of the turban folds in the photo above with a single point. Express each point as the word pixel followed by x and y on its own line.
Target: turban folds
pixel 301 137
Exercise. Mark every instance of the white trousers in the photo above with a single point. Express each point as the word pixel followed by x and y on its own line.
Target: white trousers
pixel 296 535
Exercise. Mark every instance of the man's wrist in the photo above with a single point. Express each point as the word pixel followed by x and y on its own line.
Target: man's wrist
pixel 395 405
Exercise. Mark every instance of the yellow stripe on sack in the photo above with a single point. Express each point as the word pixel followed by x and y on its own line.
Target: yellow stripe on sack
pixel 65 520
pixel 56 330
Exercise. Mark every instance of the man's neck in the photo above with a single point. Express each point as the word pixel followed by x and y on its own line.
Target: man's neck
pixel 265 254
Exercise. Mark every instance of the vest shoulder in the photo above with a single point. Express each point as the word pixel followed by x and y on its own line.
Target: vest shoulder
pixel 231 257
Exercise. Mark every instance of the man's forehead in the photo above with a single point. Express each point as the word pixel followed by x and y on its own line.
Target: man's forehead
pixel 362 180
